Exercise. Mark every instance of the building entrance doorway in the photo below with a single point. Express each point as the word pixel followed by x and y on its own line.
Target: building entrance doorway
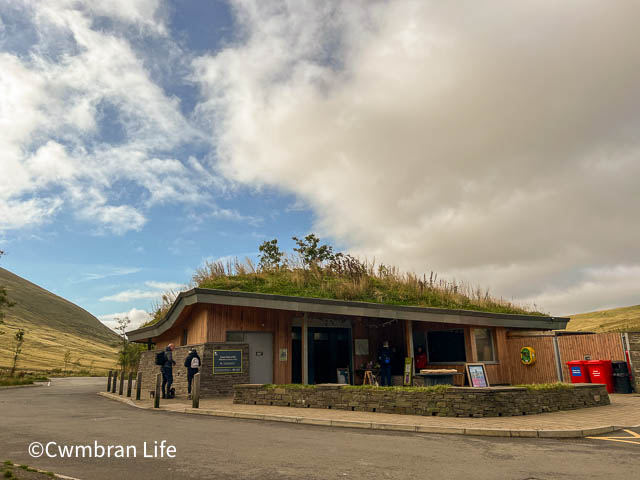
pixel 329 349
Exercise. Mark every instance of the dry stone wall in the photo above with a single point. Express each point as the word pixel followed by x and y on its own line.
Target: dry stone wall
pixel 634 354
pixel 210 384
pixel 452 402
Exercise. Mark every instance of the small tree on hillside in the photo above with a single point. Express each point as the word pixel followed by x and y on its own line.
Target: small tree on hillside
pixel 67 360
pixel 18 349
pixel 312 252
pixel 121 328
pixel 270 255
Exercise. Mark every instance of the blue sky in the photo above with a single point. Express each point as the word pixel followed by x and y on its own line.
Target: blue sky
pixel 494 144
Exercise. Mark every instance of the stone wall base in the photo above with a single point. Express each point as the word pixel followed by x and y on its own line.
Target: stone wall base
pixel 450 402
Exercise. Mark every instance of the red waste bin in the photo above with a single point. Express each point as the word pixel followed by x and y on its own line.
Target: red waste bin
pixel 601 371
pixel 578 371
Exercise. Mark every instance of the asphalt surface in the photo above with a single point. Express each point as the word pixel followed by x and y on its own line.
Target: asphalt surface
pixel 70 413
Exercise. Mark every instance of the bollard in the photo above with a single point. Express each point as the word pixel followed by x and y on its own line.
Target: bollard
pixel 129 382
pixel 121 389
pixel 138 385
pixel 156 396
pixel 115 379
pixel 195 397
pixel 109 381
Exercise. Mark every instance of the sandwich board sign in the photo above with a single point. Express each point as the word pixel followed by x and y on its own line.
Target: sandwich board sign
pixel 477 375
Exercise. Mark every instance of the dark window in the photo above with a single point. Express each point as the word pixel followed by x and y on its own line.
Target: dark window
pixel 484 344
pixel 445 346
pixel 235 336
pixel 185 336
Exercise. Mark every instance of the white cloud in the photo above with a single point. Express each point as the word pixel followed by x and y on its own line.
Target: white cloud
pixel 164 286
pixel 137 317
pixel 154 291
pixel 597 289
pixel 492 142
pixel 110 272
pixel 58 98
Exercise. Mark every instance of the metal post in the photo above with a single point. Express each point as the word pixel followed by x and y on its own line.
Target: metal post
pixel 121 389
pixel 138 385
pixel 109 381
pixel 129 382
pixel 158 392
pixel 195 397
pixel 115 380
pixel 556 351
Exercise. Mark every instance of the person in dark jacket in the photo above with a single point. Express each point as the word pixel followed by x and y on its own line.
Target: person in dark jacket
pixel 192 362
pixel 167 370
pixel 385 357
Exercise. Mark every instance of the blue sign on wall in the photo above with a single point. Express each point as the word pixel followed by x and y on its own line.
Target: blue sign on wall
pixel 227 361
pixel 576 372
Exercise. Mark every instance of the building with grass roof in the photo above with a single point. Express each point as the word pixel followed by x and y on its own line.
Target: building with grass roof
pixel 286 339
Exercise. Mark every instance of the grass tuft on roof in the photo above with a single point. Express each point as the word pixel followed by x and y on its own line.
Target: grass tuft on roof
pixel 317 272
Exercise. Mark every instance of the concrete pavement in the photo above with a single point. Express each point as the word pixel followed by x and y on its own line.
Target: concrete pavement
pixel 70 413
pixel 624 411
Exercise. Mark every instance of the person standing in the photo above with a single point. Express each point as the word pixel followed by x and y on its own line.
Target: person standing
pixel 384 357
pixel 167 371
pixel 421 359
pixel 192 362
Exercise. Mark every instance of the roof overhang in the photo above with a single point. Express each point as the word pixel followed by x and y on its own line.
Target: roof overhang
pixel 341 307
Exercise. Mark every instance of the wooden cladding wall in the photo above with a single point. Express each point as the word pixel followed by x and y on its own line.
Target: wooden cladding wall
pixel 175 333
pixel 599 346
pixel 543 371
pixel 227 318
pixel 210 323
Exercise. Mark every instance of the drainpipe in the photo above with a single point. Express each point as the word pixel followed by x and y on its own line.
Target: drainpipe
pixel 305 349
pixel 556 350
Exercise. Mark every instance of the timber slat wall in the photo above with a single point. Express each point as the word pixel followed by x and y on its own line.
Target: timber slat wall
pixel 543 371
pixel 226 318
pixel 600 346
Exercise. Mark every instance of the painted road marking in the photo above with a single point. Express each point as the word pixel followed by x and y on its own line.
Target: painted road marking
pixel 634 438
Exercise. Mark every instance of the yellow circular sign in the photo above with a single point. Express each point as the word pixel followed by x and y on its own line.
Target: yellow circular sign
pixel 527 355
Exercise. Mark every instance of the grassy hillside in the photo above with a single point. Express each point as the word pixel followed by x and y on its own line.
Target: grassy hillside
pixel 623 319
pixel 52 326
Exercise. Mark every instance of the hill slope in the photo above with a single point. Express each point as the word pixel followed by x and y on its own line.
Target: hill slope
pixel 52 326
pixel 613 320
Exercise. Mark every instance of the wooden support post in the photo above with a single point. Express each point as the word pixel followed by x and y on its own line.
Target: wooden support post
pixel 129 382
pixel 109 381
pixel 138 385
pixel 195 391
pixel 121 389
pixel 158 392
pixel 115 380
